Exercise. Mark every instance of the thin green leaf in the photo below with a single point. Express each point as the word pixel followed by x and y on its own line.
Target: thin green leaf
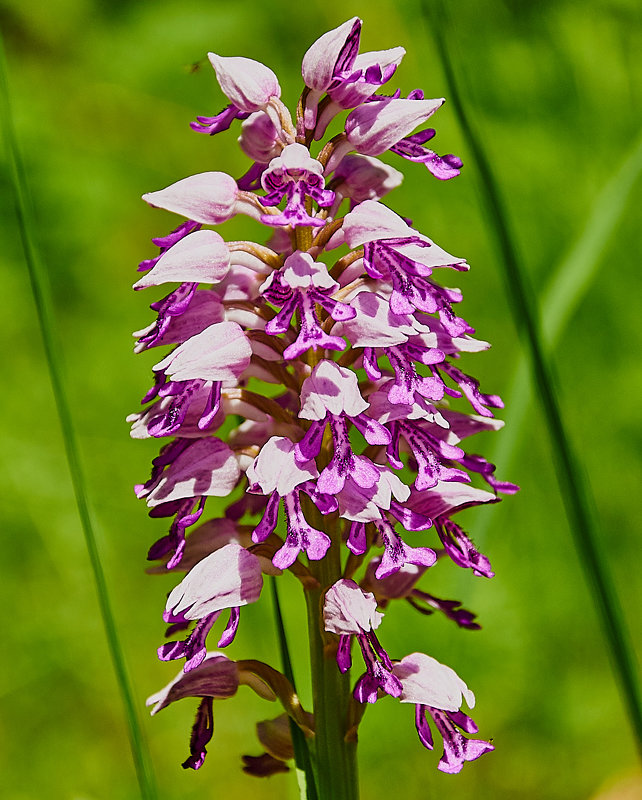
pixel 304 771
pixel 566 289
pixel 573 485
pixel 41 295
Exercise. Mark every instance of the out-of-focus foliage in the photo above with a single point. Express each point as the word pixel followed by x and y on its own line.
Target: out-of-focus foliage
pixel 102 96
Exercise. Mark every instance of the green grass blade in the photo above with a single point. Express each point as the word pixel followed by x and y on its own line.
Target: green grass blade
pixel 41 294
pixel 573 485
pixel 564 293
pixel 305 773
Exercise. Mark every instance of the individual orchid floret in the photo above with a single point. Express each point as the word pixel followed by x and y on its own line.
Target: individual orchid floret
pixel 215 678
pixel 301 284
pixel 437 690
pixel 326 62
pixel 216 355
pixel 369 72
pixel 297 175
pixel 374 127
pixel 228 578
pixel 329 395
pixel 348 611
pixel 181 315
pixel 277 473
pixel 439 503
pixel 431 453
pixel 186 472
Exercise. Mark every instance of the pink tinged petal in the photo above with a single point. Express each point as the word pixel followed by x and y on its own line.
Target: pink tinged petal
pixel 427 682
pixel 446 498
pixel 375 127
pixel 372 221
pixel 228 578
pixel 301 271
pixel 217 676
pixel 259 138
pixel 409 518
pixel 331 54
pixel 205 467
pixel 375 68
pixel 209 197
pixel 219 353
pixel 331 389
pixel 348 609
pixel 201 257
pixel 276 468
pixel 329 58
pixel 310 446
pixel 357 539
pixel 365 178
pixel 248 84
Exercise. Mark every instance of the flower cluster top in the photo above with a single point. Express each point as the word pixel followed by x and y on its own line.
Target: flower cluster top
pixel 326 355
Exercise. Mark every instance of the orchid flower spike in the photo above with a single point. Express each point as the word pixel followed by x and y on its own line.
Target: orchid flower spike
pixel 306 388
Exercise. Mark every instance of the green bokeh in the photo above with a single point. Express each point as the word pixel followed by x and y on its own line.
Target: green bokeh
pixel 102 94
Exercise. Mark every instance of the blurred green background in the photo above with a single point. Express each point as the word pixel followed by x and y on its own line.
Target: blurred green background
pixel 102 96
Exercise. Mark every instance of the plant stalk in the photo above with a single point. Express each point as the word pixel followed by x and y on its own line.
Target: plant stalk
pixel 336 758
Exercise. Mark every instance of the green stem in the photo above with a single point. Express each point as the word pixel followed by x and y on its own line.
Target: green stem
pixel 52 348
pixel 573 485
pixel 299 743
pixel 336 758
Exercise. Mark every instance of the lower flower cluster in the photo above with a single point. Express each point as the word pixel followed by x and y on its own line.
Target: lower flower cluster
pixel 312 389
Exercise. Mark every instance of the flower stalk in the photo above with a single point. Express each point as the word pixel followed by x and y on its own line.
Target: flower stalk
pixel 335 373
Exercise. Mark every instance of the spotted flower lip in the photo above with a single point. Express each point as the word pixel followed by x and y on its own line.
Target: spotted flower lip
pixel 296 175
